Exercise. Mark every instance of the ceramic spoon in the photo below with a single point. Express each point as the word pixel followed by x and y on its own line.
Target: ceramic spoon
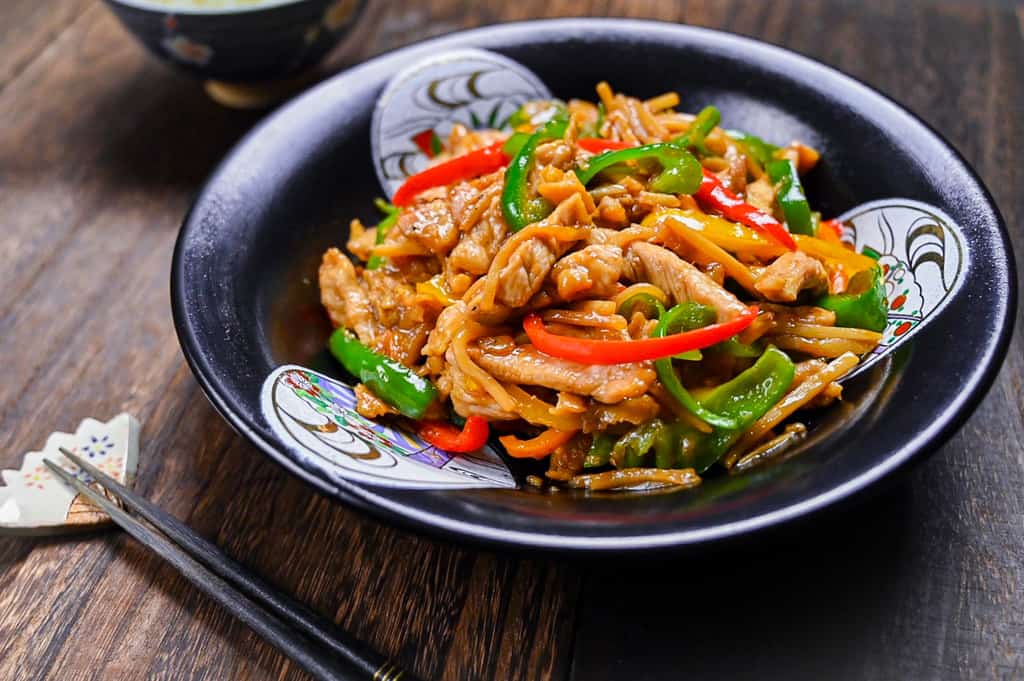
pixel 922 251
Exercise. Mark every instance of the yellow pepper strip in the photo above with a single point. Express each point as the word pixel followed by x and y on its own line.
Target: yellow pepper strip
pixel 731 236
pixel 538 412
pixel 737 238
pixel 817 248
pixel 709 251
pixel 436 288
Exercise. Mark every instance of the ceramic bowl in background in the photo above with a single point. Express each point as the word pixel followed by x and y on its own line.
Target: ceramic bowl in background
pixel 239 41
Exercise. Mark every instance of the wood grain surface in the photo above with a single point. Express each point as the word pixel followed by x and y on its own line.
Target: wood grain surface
pixel 101 150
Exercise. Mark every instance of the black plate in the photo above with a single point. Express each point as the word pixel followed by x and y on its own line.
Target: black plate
pixel 244 303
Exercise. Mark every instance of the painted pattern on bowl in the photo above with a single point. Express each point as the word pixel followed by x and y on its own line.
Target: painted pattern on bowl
pixel 239 41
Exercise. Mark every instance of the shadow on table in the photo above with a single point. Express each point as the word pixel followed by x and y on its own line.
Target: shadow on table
pixel 14 550
pixel 160 129
pixel 803 604
pixel 176 134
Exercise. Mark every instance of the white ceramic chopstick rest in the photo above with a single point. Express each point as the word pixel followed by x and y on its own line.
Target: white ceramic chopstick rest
pixel 33 501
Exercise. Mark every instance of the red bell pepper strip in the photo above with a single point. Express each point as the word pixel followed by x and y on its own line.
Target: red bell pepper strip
pixel 473 164
pixel 428 142
pixel 714 194
pixel 592 351
pixel 596 145
pixel 444 435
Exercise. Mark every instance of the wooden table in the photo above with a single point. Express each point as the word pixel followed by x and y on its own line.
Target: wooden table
pixel 101 150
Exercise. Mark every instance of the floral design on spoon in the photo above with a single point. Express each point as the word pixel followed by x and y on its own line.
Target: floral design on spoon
pixel 421 105
pixel 923 256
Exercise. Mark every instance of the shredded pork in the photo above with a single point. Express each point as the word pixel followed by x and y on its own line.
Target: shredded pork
pixel 453 282
pixel 789 275
pixel 344 297
pixel 672 274
pixel 607 383
pixel 592 272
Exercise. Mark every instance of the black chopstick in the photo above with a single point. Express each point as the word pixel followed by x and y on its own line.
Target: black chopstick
pixel 279 619
pixel 293 612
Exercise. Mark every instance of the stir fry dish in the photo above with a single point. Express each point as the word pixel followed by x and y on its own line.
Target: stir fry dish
pixel 634 294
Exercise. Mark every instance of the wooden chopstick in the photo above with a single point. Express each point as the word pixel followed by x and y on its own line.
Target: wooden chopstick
pixel 277 618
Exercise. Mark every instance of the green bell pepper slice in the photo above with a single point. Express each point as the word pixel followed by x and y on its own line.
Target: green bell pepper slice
pixel 745 399
pixel 630 451
pixel 681 172
pixel 686 317
pixel 791 197
pixel 519 208
pixel 655 310
pixel 699 129
pixel 864 305
pixel 600 452
pixel 539 117
pixel 653 307
pixel 515 143
pixel 668 445
pixel 391 214
pixel 763 151
pixel 391 381
pixel 734 347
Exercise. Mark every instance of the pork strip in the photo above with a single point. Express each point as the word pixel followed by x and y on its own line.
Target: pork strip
pixel 592 272
pixel 469 401
pixel 672 274
pixel 431 225
pixel 526 365
pixel 344 297
pixel 791 273
pixel 480 243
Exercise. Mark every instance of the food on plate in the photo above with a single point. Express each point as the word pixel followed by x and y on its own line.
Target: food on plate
pixel 634 294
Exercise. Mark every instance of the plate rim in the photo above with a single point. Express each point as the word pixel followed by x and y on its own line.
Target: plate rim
pixel 923 443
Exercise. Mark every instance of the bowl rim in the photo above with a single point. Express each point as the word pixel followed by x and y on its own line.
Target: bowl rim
pixel 923 442
pixel 230 6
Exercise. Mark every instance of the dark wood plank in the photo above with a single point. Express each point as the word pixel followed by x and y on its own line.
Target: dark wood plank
pixel 29 27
